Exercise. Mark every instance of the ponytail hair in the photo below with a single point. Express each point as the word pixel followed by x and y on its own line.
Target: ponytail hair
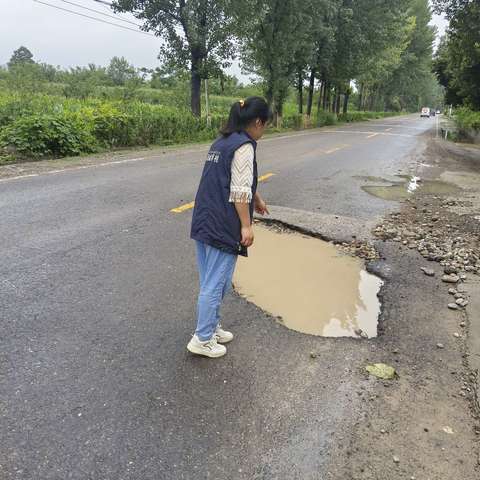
pixel 245 112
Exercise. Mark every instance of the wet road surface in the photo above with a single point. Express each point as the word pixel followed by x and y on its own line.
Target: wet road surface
pixel 97 302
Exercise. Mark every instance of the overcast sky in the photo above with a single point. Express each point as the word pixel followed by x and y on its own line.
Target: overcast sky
pixel 61 38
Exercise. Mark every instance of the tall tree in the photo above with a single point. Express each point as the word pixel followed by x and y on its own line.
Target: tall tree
pixel 352 42
pixel 396 68
pixel 344 63
pixel 412 78
pixel 21 56
pixel 272 39
pixel 198 35
pixel 457 62
pixel 120 71
pixel 444 70
pixel 451 7
pixel 324 14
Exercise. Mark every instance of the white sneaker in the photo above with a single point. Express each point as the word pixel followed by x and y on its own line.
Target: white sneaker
pixel 209 348
pixel 222 335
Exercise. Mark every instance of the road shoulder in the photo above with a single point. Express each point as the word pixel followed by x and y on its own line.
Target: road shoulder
pixel 426 423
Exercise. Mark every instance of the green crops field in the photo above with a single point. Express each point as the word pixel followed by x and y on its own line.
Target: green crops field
pixel 46 125
pixel 50 126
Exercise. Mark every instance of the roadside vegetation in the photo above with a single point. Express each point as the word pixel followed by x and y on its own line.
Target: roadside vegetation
pixel 468 124
pixel 457 64
pixel 318 62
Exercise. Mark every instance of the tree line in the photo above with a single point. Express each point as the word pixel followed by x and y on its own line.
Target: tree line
pixel 23 73
pixel 23 70
pixel 457 61
pixel 382 47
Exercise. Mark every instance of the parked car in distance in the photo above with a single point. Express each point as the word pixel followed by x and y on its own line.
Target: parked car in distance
pixel 425 112
pixel 438 111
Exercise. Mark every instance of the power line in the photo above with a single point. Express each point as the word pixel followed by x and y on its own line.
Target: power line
pixel 94 18
pixel 103 3
pixel 101 13
pixel 107 5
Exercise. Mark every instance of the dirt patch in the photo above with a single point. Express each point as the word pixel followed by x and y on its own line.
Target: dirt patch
pixel 420 425
pixel 310 285
pixel 425 424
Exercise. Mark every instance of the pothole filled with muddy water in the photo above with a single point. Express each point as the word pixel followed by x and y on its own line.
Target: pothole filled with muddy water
pixel 309 284
pixel 402 190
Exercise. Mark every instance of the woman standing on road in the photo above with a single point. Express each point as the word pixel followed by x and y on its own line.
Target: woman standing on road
pixel 222 217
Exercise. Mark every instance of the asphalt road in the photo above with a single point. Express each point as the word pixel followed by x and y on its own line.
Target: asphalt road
pixel 97 302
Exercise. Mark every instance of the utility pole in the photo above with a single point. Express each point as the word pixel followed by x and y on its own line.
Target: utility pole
pixel 207 106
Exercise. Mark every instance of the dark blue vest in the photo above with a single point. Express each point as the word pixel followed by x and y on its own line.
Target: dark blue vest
pixel 215 220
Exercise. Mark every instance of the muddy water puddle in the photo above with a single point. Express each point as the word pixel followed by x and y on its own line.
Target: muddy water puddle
pixel 398 191
pixel 309 284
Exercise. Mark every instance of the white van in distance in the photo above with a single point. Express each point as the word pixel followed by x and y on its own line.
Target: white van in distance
pixel 425 112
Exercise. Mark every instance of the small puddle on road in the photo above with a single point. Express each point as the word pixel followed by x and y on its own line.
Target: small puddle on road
pixel 401 190
pixel 310 284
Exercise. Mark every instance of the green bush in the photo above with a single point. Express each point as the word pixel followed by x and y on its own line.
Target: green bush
pixel 294 121
pixel 325 118
pixel 154 124
pixel 40 135
pixel 16 105
pixel 110 126
pixel 354 116
pixel 467 119
pixel 30 128
pixel 361 116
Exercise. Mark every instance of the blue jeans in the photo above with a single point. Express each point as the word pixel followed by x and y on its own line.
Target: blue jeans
pixel 216 271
